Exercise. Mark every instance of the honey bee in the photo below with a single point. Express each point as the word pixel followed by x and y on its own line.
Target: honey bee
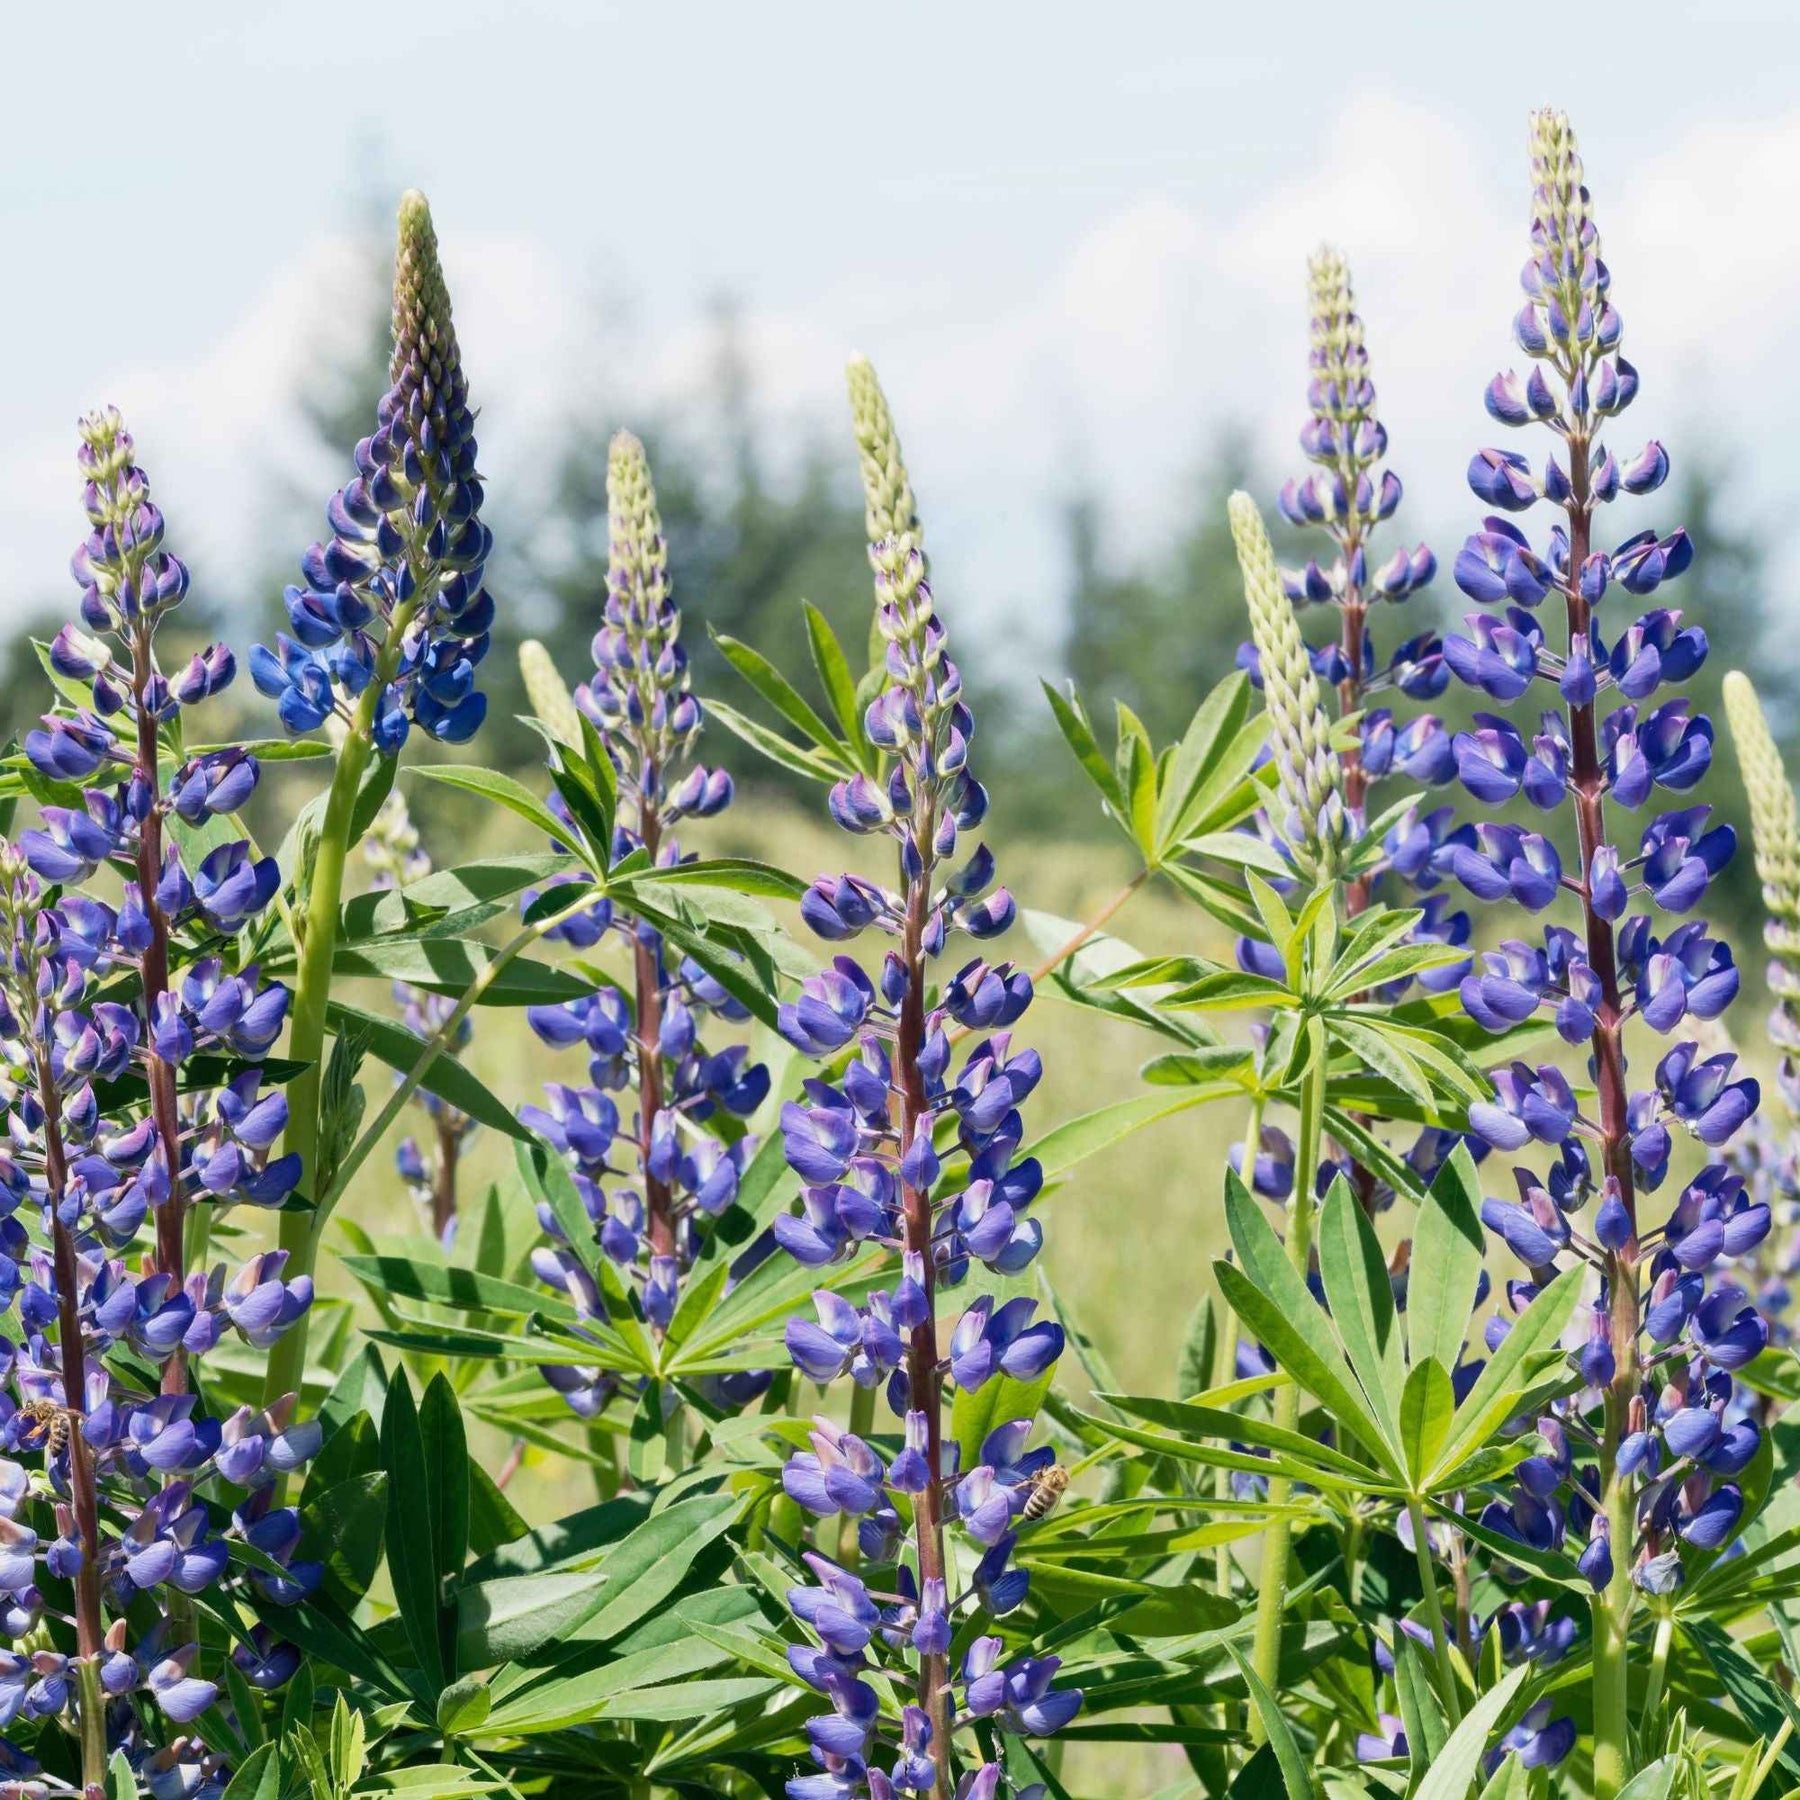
pixel 51 1422
pixel 1047 1488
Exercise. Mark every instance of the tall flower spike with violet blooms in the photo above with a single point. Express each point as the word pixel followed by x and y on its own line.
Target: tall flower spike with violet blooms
pixel 1665 1334
pixel 871 1148
pixel 92 995
pixel 388 630
pixel 132 816
pixel 1348 497
pixel 395 856
pixel 645 1040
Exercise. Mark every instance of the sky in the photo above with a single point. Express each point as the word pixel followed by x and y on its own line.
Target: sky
pixel 1072 239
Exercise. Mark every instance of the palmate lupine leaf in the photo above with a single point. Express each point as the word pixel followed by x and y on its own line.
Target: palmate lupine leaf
pixel 1183 801
pixel 1274 1302
pixel 1385 1378
pixel 1382 1063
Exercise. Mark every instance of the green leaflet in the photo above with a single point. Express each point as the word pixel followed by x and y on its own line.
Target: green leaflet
pixel 1456 1765
pixel 412 1532
pixel 1449 1247
pixel 999 1399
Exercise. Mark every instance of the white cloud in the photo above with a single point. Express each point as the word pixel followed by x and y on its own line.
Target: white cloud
pixel 1156 326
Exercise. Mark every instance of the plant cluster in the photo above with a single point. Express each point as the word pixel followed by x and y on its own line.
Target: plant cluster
pixel 1475 1477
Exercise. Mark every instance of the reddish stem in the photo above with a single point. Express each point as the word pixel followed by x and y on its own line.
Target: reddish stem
pixel 924 1384
pixel 1358 891
pixel 443 1186
pixel 658 1203
pixel 73 1355
pixel 171 1216
pixel 1350 699
pixel 1588 779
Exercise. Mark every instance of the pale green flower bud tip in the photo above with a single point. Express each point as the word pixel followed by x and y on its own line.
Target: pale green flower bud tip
pixel 1741 702
pixel 1311 774
pixel 549 694
pixel 889 508
pixel 415 217
pixel 638 560
pixel 423 332
pixel 1774 817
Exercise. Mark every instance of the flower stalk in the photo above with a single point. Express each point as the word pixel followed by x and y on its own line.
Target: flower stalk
pixel 870 1152
pixel 388 631
pixel 1271 1589
pixel 1663 1343
pixel 89 1626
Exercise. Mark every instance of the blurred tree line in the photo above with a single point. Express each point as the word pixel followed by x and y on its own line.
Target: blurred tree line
pixel 752 534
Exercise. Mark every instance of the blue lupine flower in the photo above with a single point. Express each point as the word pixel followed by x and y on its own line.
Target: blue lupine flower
pixel 873 1148
pixel 1347 496
pixel 1618 740
pixel 395 596
pixel 92 992
pixel 649 1042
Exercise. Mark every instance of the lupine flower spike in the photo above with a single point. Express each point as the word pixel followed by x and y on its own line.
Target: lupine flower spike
pixel 390 624
pixel 872 1149
pixel 95 999
pixel 1766 1158
pixel 1348 498
pixel 648 1045
pixel 1350 495
pixel 1669 1324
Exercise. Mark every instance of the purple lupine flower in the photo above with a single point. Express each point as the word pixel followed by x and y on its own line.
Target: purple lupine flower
pixel 100 1177
pixel 1669 1327
pixel 144 985
pixel 648 1042
pixel 1348 496
pixel 875 1148
pixel 1538 1741
pixel 394 598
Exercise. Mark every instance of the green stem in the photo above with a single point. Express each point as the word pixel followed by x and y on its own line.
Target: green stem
pixel 1612 1625
pixel 93 1725
pixel 1434 1611
pixel 1225 1361
pixel 1271 1598
pixel 306 1033
pixel 1659 1668
pixel 317 951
